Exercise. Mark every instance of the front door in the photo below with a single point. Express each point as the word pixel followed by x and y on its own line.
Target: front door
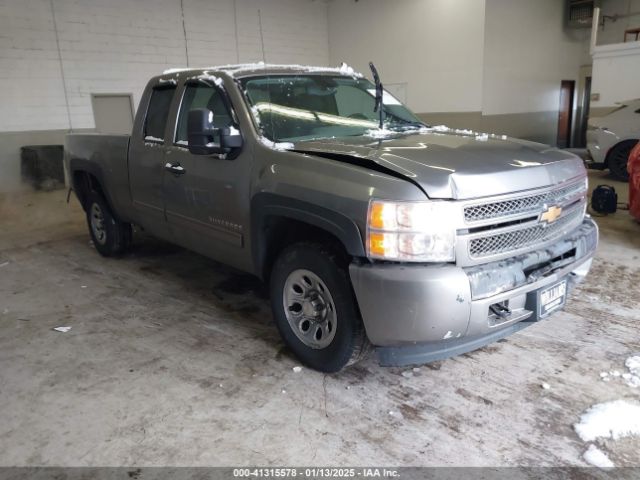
pixel 207 196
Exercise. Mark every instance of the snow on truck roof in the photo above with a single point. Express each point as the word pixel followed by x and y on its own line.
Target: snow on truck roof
pixel 241 69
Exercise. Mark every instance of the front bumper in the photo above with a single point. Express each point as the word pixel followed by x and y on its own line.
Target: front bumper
pixel 596 152
pixel 421 313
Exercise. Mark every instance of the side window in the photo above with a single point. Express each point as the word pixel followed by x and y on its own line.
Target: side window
pixel 158 113
pixel 201 96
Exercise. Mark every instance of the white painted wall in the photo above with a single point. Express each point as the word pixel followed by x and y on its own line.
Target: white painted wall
pixel 616 65
pixel 490 56
pixel 116 45
pixel 527 54
pixel 616 73
pixel 435 47
pixel 613 29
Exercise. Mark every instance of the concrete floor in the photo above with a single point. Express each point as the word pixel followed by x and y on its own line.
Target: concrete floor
pixel 173 360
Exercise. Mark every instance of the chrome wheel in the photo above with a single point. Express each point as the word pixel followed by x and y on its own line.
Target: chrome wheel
pixel 97 224
pixel 309 309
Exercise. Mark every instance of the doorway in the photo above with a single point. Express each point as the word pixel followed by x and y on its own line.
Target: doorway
pixel 113 113
pixel 581 141
pixel 565 113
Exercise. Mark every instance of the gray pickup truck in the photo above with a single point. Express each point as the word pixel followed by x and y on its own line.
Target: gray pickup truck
pixel 372 229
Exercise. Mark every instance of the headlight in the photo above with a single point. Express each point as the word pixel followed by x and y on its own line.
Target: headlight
pixel 412 231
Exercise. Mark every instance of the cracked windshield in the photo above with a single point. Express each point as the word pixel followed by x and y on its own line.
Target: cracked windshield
pixel 293 108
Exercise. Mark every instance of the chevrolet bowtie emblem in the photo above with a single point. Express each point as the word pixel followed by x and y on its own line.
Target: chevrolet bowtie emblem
pixel 551 214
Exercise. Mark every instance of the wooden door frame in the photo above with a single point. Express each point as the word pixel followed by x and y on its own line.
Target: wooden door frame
pixel 572 84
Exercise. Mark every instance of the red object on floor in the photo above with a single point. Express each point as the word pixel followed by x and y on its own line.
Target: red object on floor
pixel 633 166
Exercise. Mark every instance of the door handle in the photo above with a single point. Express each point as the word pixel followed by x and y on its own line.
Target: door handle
pixel 175 168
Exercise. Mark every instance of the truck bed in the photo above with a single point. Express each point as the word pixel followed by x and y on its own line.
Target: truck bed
pixel 106 158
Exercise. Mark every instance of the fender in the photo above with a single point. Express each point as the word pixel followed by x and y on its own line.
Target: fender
pixel 265 205
pixel 92 168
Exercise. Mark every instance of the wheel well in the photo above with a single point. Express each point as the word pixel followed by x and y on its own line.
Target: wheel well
pixel 83 184
pixel 280 232
pixel 630 142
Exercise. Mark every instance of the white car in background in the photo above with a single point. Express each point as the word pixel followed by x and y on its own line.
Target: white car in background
pixel 611 138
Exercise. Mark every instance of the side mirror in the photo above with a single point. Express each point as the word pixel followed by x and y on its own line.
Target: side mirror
pixel 202 134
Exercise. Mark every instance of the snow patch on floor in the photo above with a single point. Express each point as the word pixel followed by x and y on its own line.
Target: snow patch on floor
pixel 616 419
pixel 633 377
pixel 597 457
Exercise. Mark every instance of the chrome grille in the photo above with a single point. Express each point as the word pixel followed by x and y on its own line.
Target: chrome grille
pixel 517 206
pixel 517 239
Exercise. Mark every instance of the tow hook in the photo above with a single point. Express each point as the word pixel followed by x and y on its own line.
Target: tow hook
pixel 500 309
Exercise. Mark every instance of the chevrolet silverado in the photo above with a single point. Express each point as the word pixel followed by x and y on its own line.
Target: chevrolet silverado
pixel 373 230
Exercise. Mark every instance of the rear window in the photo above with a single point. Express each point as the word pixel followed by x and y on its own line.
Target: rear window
pixel 158 113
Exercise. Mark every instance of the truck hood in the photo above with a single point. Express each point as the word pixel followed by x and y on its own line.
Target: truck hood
pixel 449 165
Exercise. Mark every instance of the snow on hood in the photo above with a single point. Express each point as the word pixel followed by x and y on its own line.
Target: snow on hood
pixel 385 133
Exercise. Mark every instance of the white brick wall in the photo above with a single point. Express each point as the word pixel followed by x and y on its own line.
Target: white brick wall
pixel 115 46
pixel 31 92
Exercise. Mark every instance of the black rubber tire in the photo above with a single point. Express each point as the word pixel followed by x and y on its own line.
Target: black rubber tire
pixel 118 235
pixel 617 159
pixel 350 344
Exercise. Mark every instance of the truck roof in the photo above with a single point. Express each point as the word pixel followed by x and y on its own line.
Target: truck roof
pixel 261 68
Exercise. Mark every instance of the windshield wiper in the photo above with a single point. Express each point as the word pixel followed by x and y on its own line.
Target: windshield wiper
pixel 379 93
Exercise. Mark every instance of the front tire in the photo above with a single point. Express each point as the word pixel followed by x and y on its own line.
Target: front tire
pixel 618 158
pixel 109 235
pixel 315 309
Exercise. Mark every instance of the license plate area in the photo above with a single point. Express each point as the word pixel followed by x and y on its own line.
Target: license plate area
pixel 552 298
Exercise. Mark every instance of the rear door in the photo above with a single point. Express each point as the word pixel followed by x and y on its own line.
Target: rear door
pixel 147 160
pixel 205 201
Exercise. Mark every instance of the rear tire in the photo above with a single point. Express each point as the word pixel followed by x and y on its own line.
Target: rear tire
pixel 315 309
pixel 618 158
pixel 110 236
